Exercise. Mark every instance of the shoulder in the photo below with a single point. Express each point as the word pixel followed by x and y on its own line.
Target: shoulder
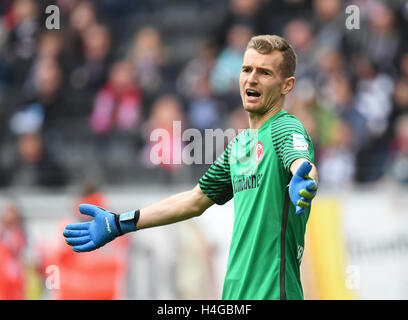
pixel 286 128
pixel 239 137
pixel 287 122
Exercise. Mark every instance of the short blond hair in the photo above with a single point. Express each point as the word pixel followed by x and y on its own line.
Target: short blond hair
pixel 265 44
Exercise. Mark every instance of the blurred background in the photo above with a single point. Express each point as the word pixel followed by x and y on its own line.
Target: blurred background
pixel 78 104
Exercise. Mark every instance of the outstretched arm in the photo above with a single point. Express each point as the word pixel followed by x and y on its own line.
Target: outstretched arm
pixel 176 208
pixel 106 225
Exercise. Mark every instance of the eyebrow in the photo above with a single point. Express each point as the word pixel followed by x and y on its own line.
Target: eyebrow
pixel 244 66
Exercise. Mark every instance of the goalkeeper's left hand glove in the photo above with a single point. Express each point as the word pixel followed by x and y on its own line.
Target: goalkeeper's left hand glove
pixel 302 188
pixel 106 226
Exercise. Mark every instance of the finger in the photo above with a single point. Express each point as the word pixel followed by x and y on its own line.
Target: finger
pixel 306 194
pixel 88 209
pixel 303 203
pixel 299 210
pixel 89 246
pixel 308 176
pixel 75 233
pixel 77 241
pixel 303 169
pixel 311 185
pixel 77 226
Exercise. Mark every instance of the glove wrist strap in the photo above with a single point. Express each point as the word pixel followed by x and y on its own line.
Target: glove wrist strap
pixel 126 222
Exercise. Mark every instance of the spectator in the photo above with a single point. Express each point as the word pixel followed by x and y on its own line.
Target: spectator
pixel 82 17
pixel 114 120
pixel 118 103
pixel 401 13
pixel 337 159
pixel 374 102
pixel 128 11
pixel 44 98
pixel 400 107
pixel 195 70
pixel 285 11
pixel 12 247
pixel 399 165
pixel 330 70
pixel 240 12
pixel 203 110
pixel 90 192
pixel 378 38
pixel 91 72
pixel 335 96
pixel 404 65
pixel 50 45
pixel 401 96
pixel 328 23
pixel 224 78
pixel 299 34
pixel 303 105
pixel 33 165
pixel 167 115
pixel 21 45
pixel 148 57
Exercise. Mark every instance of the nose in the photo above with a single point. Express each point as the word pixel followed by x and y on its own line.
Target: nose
pixel 252 77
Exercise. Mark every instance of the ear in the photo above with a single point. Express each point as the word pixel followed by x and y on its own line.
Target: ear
pixel 288 85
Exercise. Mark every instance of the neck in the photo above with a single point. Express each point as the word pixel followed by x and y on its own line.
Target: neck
pixel 256 120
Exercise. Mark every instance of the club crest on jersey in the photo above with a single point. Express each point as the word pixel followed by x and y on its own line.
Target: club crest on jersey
pixel 259 152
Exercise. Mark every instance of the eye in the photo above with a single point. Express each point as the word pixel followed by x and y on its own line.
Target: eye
pixel 246 70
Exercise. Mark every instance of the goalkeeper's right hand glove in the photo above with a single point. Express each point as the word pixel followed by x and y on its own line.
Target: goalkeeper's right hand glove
pixel 302 188
pixel 106 226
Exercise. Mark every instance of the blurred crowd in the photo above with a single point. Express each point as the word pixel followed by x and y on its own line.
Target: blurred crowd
pixel 85 97
pixel 81 101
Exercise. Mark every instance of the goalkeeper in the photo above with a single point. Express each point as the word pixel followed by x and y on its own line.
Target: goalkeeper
pixel 268 170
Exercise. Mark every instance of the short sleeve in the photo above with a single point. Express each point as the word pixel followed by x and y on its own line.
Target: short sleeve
pixel 216 182
pixel 291 141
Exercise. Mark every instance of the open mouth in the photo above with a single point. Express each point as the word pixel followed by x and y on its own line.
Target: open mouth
pixel 252 93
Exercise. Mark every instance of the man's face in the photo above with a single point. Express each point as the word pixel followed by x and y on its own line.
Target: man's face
pixel 261 83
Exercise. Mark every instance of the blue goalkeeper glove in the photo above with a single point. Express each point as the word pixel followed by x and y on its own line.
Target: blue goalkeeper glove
pixel 302 188
pixel 106 226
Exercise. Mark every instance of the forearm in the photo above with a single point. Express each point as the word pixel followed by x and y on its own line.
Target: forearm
pixel 179 207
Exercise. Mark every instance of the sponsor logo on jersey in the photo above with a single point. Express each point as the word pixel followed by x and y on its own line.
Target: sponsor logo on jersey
pixel 299 142
pixel 246 182
pixel 259 152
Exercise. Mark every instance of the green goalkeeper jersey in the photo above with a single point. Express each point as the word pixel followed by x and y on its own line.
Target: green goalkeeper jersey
pixel 268 237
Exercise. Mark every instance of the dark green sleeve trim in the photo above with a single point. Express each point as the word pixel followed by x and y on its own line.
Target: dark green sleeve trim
pixel 216 182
